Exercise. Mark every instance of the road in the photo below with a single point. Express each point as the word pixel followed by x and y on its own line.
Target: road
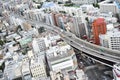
pixel 92 49
pixel 84 46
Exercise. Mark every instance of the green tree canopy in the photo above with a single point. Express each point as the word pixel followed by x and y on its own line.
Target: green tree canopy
pixel 1 42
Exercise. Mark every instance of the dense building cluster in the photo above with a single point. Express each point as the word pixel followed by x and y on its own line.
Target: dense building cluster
pixel 30 51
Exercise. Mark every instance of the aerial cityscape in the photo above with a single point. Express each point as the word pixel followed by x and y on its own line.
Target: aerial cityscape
pixel 59 39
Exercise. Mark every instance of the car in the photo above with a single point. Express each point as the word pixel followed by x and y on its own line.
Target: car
pixel 81 46
pixel 61 30
pixel 102 54
pixel 116 71
pixel 116 67
pixel 69 36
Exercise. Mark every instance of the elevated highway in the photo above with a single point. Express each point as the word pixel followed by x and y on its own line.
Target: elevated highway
pixel 89 48
pixel 84 46
pixel 92 49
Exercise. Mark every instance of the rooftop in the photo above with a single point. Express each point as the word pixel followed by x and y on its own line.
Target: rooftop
pixel 99 20
pixel 62 56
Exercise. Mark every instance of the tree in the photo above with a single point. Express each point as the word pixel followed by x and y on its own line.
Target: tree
pixel 86 19
pixel 24 51
pixel 97 5
pixel 5 41
pixel 2 67
pixel 0 14
pixel 37 2
pixel 60 3
pixel 19 28
pixel 44 11
pixel 33 0
pixel 62 12
pixel 73 14
pixel 69 4
pixel 94 4
pixel 0 31
pixel 117 15
pixel 41 30
pixel 1 42
pixel 41 4
pixel 14 39
pixel 32 26
pixel 38 6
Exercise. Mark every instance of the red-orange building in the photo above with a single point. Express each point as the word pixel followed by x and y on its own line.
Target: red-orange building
pixel 57 18
pixel 54 19
pixel 98 27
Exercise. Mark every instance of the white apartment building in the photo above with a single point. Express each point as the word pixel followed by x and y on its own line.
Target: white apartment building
pixel 108 16
pixel 63 1
pixel 51 39
pixel 38 68
pixel 22 7
pixel 15 36
pixel 49 19
pixel 39 1
pixel 25 59
pixel 57 50
pixel 42 78
pixel 70 10
pixel 64 61
pixel 84 1
pixel 79 27
pixel 12 48
pixel 30 54
pixel 26 71
pixel 61 57
pixel 12 70
pixel 16 21
pixel 17 72
pixel 111 40
pixel 87 7
pixel 104 41
pixel 36 14
pixel 30 33
pixel 108 7
pixel 38 45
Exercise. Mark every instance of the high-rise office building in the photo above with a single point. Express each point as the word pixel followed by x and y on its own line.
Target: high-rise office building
pixel 111 39
pixel 38 68
pixel 26 70
pixel 57 19
pixel 61 23
pixel 79 26
pixel 84 1
pixel 39 46
pixel 54 19
pixel 64 61
pixel 98 27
